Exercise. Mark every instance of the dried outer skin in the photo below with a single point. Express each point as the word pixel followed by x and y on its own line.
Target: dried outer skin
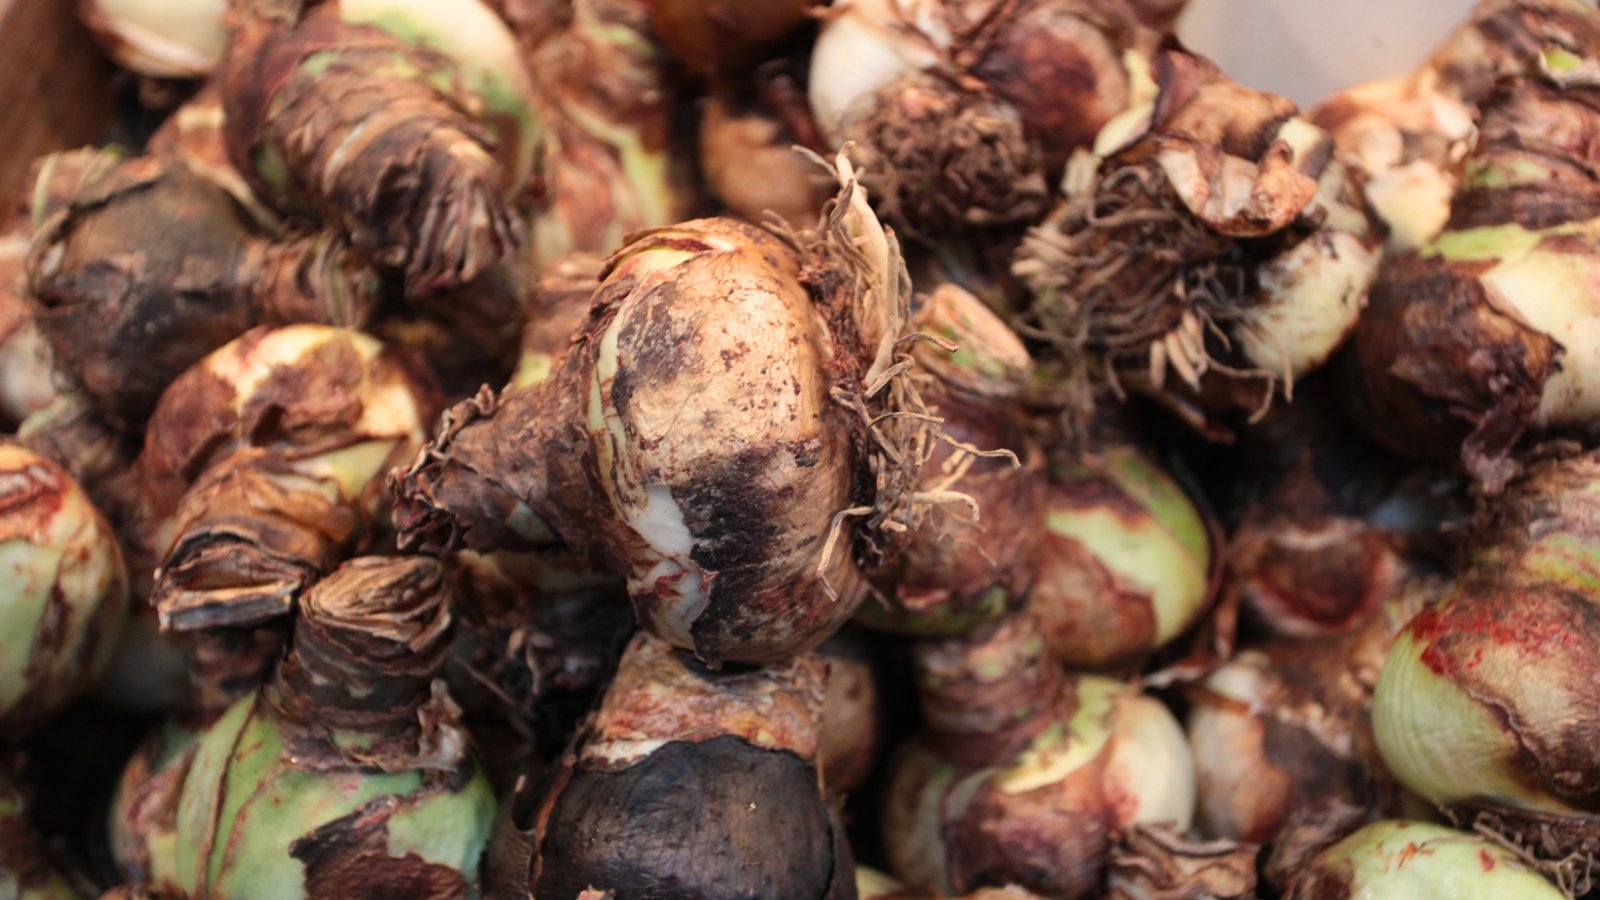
pixel 65 596
pixel 590 450
pixel 344 118
pixel 748 159
pixel 126 315
pixel 468 336
pixel 1211 237
pixel 1511 38
pixel 25 870
pixel 944 157
pixel 558 312
pixel 692 783
pixel 1062 64
pixel 262 464
pixel 613 160
pixel 1155 863
pixel 196 134
pixel 710 37
pixel 349 771
pixel 1125 564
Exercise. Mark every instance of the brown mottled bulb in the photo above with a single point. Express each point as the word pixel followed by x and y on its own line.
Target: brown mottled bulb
pixel 1487 701
pixel 125 315
pixel 972 114
pixel 1282 739
pixel 1208 251
pixel 323 109
pixel 1478 337
pixel 960 570
pixel 1023 779
pixel 687 782
pixel 614 158
pixel 696 441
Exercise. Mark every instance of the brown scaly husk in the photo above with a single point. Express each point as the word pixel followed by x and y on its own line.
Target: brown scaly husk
pixel 523 470
pixel 125 315
pixel 247 499
pixel 704 781
pixel 747 146
pixel 709 37
pixel 1152 862
pixel 403 166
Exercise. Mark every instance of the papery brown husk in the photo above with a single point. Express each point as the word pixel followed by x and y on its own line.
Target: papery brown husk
pixel 1152 862
pixel 421 189
pixel 678 760
pixel 1309 746
pixel 367 646
pixel 1506 38
pixel 233 504
pixel 1565 849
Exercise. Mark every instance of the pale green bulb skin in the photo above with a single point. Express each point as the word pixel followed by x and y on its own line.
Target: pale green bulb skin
pixel 1395 860
pixel 245 805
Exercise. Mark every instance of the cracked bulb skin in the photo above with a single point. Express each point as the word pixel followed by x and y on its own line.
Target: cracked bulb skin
pixel 1024 775
pixel 1488 702
pixel 348 773
pixel 686 782
pixel 704 435
pixel 64 594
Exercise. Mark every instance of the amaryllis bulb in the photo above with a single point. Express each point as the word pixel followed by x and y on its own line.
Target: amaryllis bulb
pixel 27 367
pixel 143 815
pixel 749 160
pixel 262 468
pixel 742 537
pixel 687 781
pixel 318 108
pixel 613 160
pixel 1020 779
pixel 712 37
pixel 1401 860
pixel 350 766
pixel 1489 697
pixel 65 595
pixel 1282 731
pixel 160 38
pixel 1208 252
pixel 1125 563
pixel 1484 334
pixel 960 570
